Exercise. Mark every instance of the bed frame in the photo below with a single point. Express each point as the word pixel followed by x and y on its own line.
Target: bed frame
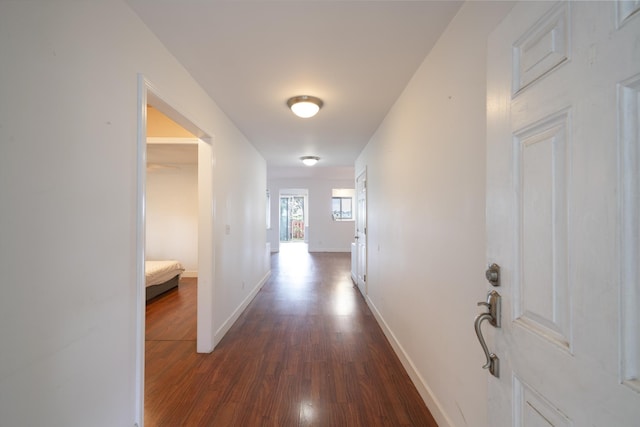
pixel 156 290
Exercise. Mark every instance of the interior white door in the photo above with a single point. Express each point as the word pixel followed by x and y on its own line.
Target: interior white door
pixel 563 94
pixel 361 232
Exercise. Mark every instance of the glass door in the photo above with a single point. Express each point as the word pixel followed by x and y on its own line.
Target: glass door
pixel 291 218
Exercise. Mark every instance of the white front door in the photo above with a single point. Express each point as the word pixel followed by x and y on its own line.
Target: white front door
pixel 361 232
pixel 563 95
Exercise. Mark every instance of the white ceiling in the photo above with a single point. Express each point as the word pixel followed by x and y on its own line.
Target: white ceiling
pixel 251 56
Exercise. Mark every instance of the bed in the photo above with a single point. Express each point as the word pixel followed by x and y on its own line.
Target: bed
pixel 161 276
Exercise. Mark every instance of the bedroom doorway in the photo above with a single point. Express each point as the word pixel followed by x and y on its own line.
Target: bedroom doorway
pixel 194 147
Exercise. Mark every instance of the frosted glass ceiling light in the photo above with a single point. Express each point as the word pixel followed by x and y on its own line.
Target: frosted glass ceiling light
pixel 309 160
pixel 305 106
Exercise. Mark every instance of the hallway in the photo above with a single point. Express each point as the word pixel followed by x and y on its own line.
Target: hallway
pixel 306 352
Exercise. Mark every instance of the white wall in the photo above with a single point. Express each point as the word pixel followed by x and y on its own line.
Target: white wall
pixel 172 216
pixel 324 234
pixel 240 249
pixel 68 120
pixel 426 187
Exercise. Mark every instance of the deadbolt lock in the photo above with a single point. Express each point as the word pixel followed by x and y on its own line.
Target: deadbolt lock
pixel 493 274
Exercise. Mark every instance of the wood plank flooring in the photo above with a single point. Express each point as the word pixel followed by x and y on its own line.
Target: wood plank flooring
pixel 306 352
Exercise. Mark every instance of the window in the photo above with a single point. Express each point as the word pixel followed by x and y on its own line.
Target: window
pixel 342 208
pixel 342 204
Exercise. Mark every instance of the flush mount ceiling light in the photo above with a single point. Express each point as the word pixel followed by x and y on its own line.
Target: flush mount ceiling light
pixel 309 160
pixel 305 106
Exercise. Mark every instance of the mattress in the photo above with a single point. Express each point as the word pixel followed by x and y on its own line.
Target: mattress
pixel 157 272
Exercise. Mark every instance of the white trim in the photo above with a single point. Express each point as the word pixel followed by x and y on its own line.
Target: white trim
pixel 426 393
pixel 164 140
pixel 192 273
pixel 240 309
pixel 141 177
pixel 629 230
pixel 205 338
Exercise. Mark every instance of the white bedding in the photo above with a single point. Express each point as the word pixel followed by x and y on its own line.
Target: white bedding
pixel 157 272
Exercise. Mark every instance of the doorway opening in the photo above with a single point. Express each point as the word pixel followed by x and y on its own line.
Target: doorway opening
pixel 293 221
pixel 198 149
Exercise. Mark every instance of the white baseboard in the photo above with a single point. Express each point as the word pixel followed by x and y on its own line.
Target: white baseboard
pixel 190 274
pixel 425 392
pixel 329 250
pixel 221 332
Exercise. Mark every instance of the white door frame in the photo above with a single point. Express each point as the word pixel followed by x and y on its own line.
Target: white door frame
pixel 148 94
pixel 361 248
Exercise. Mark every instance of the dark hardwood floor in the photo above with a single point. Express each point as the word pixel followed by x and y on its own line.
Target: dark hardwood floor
pixel 306 352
